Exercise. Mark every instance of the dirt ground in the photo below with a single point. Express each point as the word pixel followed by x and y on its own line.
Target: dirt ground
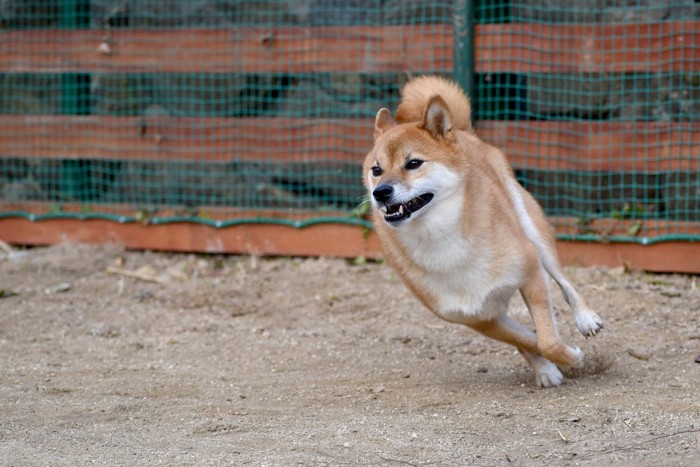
pixel 210 360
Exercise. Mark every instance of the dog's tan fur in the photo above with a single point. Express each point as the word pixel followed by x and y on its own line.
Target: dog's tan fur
pixel 479 238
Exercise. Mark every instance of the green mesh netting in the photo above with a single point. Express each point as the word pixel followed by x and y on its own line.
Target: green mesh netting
pixel 235 111
pixel 598 108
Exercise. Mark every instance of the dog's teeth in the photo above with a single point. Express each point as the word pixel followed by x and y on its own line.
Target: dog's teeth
pixel 401 209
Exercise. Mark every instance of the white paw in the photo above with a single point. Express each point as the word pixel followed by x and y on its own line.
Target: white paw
pixel 578 357
pixel 547 375
pixel 588 322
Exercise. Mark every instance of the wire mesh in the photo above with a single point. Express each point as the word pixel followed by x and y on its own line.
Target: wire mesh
pixel 598 105
pixel 234 111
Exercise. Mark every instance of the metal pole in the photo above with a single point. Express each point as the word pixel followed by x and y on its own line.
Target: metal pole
pixel 74 14
pixel 463 45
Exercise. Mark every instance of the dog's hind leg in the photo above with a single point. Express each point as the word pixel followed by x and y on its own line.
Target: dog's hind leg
pixel 587 321
pixel 536 295
pixel 507 330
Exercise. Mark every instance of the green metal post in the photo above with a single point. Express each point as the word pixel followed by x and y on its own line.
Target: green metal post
pixel 463 47
pixel 74 14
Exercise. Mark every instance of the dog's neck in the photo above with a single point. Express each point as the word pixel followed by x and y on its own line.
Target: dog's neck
pixel 436 239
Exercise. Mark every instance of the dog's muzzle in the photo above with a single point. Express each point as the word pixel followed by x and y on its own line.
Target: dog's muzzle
pixel 395 213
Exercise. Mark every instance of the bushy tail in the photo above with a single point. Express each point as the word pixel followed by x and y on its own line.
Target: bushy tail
pixel 417 92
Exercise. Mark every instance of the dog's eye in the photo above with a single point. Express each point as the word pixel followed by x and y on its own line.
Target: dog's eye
pixel 376 171
pixel 413 164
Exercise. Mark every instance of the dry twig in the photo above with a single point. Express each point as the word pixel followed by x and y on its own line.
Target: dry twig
pixel 135 274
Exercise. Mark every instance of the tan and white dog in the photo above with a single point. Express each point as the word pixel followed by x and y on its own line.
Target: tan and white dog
pixel 461 231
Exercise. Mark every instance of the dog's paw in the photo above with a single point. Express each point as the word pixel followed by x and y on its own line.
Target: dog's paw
pixel 547 375
pixel 588 323
pixel 578 357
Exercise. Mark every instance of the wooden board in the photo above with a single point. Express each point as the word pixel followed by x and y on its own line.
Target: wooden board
pixel 682 257
pixel 642 230
pixel 260 239
pixel 604 228
pixel 596 146
pixel 585 146
pixel 183 138
pixel 130 211
pixel 371 49
pixel 599 48
pixel 324 239
pixel 514 48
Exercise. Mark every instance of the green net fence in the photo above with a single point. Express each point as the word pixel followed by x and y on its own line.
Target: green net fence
pixel 227 112
pixel 598 106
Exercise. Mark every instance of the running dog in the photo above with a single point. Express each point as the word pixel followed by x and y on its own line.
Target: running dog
pixel 461 231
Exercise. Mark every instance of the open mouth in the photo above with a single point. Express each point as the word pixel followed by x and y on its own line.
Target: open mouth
pixel 399 212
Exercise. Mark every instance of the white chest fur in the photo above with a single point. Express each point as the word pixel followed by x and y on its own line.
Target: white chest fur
pixel 454 271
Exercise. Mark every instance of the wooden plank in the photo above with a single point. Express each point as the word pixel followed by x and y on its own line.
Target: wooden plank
pixel 596 146
pixel 680 257
pixel 643 230
pixel 326 239
pixel 126 211
pixel 579 145
pixel 515 48
pixel 602 48
pixel 367 49
pixel 176 138
pixel 602 228
pixel 261 239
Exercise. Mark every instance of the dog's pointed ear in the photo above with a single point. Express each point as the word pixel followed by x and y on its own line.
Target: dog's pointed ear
pixel 383 122
pixel 437 119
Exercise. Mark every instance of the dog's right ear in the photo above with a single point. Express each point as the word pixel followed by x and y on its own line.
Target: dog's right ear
pixel 437 119
pixel 383 122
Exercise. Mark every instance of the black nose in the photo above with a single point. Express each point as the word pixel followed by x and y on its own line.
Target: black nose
pixel 383 192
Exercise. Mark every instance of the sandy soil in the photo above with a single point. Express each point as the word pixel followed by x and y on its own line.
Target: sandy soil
pixel 209 360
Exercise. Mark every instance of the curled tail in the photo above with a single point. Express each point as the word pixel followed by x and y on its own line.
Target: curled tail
pixel 417 93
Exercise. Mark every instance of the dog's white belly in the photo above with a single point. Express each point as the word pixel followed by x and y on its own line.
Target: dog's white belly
pixel 467 296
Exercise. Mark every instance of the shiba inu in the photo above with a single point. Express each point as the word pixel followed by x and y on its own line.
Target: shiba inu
pixel 461 231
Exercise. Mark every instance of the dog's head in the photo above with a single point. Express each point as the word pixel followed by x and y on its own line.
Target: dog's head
pixel 412 166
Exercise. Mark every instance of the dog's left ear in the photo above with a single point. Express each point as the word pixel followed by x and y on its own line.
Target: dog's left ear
pixel 383 122
pixel 437 119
